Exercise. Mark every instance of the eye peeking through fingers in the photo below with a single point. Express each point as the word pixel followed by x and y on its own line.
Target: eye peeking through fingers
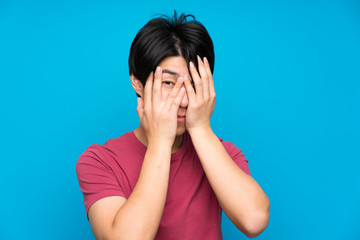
pixel 168 83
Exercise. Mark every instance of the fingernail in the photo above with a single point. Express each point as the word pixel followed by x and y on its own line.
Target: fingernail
pixel 205 60
pixel 158 69
pixel 180 80
pixel 191 64
pixel 182 89
pixel 198 57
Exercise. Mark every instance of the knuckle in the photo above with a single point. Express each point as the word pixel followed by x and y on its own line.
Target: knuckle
pixel 147 111
pixel 156 90
pixel 172 96
pixel 176 104
pixel 205 75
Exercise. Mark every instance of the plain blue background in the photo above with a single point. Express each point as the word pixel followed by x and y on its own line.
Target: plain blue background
pixel 287 83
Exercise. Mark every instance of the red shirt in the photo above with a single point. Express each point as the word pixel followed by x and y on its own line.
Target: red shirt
pixel 191 209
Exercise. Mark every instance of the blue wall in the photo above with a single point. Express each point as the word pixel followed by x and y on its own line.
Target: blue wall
pixel 287 82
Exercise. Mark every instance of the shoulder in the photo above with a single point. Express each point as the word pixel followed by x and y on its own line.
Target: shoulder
pixel 237 155
pixel 229 146
pixel 234 151
pixel 93 159
pixel 102 153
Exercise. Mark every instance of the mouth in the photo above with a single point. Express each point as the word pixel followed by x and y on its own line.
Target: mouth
pixel 181 118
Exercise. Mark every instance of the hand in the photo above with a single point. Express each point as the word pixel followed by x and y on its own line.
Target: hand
pixel 202 102
pixel 158 116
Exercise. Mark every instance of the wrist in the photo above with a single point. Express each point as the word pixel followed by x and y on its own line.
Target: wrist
pixel 160 143
pixel 200 131
pixel 159 149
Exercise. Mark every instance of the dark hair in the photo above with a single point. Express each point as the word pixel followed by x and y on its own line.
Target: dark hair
pixel 169 36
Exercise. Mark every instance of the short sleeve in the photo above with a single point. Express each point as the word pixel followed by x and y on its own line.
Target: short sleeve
pixel 237 156
pixel 96 178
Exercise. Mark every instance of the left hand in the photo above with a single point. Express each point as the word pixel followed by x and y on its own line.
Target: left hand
pixel 202 99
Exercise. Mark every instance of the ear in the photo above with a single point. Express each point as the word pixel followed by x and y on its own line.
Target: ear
pixel 137 85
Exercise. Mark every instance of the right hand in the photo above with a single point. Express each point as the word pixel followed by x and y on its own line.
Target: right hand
pixel 158 116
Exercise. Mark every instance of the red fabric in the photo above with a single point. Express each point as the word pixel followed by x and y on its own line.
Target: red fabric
pixel 191 211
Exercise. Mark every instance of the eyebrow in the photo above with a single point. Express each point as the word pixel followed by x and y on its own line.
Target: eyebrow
pixel 175 74
pixel 171 72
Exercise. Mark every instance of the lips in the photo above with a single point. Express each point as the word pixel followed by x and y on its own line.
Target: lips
pixel 181 118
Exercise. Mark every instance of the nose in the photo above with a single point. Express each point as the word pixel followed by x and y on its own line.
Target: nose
pixel 185 101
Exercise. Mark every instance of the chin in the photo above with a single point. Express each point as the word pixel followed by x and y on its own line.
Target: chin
pixel 181 129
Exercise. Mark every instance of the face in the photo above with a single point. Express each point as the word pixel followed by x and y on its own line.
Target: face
pixel 173 68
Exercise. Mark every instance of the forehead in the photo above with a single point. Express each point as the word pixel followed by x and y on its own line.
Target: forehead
pixel 174 66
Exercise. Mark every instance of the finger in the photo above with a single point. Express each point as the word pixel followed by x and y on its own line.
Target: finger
pixel 211 80
pixel 197 81
pixel 148 91
pixel 140 107
pixel 157 86
pixel 204 78
pixel 177 101
pixel 174 92
pixel 189 89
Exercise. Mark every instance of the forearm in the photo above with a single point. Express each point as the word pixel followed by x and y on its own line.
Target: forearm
pixel 239 195
pixel 140 216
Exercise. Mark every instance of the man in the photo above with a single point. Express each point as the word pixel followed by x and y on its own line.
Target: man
pixel 172 176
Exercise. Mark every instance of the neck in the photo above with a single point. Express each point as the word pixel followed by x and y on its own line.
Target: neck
pixel 141 136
